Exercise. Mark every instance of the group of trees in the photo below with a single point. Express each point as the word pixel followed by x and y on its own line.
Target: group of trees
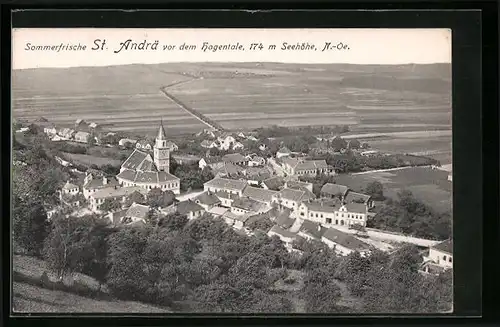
pixel 410 216
pixel 192 178
pixel 282 131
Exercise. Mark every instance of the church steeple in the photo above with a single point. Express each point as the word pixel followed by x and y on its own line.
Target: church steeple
pixel 161 132
pixel 161 151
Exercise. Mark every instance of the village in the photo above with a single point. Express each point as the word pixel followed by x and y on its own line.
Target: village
pixel 249 192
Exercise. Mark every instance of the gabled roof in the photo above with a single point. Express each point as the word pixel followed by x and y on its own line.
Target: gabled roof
pixel 282 232
pixel 259 194
pixel 226 195
pixel 295 195
pixel 446 246
pixel 326 207
pixel 345 240
pixel 284 219
pixel 138 211
pixel 228 184
pixel 146 176
pixel 111 192
pixel 356 207
pixel 311 164
pixel 207 198
pixel 134 160
pixel 275 182
pixel 247 204
pixel 354 196
pixel 334 189
pixel 234 157
pixel 188 206
pixel 312 228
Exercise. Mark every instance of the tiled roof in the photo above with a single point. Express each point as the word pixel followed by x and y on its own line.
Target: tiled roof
pixel 259 194
pixel 345 240
pixel 356 207
pixel 334 189
pixel 138 211
pixel 280 231
pixel 247 204
pixel 295 195
pixel 311 164
pixel 233 216
pixel 225 183
pixel 226 195
pixel 161 132
pixel 98 182
pixel 312 228
pixel 321 207
pixel 134 160
pixel 234 157
pixel 274 182
pixel 354 196
pixel 207 198
pixel 446 246
pixel 188 206
pixel 110 192
pixel 146 176
pixel 82 135
pixel 284 219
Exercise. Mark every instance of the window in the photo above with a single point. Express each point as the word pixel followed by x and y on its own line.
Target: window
pixel 321 215
pixel 449 259
pixel 301 213
pixel 328 220
pixel 342 222
pixel 336 221
pixel 316 215
pixel 444 257
pixel 342 215
pixel 311 214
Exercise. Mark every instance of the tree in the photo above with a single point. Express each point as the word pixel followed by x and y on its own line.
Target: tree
pixel 153 217
pixel 354 144
pixel 135 197
pixel 30 224
pixel 321 294
pixel 175 222
pixel 158 199
pixel 338 143
pixel 376 190
pixel 111 205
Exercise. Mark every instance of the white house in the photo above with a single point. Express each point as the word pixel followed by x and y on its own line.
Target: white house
pixel 207 200
pixel 226 185
pixel 116 193
pixel 235 158
pixel 246 205
pixel 212 162
pixel 351 214
pixel 301 167
pixel 262 147
pixel 125 142
pixel 50 130
pixel 208 144
pixel 255 160
pixel 238 146
pixel 441 254
pixel 344 243
pixel 70 189
pixel 93 184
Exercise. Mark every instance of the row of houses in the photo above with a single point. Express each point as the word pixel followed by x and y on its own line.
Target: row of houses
pixel 68 134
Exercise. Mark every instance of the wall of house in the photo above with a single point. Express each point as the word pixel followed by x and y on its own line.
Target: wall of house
pixel 441 258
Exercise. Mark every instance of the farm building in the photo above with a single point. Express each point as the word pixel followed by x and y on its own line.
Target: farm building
pixel 226 141
pixel 254 160
pixel 93 183
pixel 343 243
pixel 70 189
pixel 259 194
pixel 441 254
pixel 212 162
pixel 284 235
pixel 298 185
pixel 149 172
pixel 227 169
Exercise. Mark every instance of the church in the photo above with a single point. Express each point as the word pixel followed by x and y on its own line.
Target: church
pixel 140 169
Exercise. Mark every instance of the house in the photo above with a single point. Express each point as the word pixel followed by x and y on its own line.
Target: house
pixel 67 133
pixel 208 144
pixel 226 198
pixel 70 189
pixel 212 162
pixel 262 147
pixel 256 161
pixel 283 152
pixel 291 198
pixel 285 236
pixel 226 141
pixel 227 185
pixel 82 137
pixel 136 212
pixel 93 183
pixel 190 209
pixel 235 158
pixel 441 254
pixel 121 194
pixel 234 220
pixel 143 145
pixel 228 169
pixel 355 197
pixel 298 185
pixel 50 130
pixel 301 167
pixel 207 200
pixel 259 194
pixel 322 212
pixel 351 214
pixel 246 205
pixel 311 231
pixel 343 243
pixel 217 212
pixel 93 125
pixel 126 142
pixel 274 183
pixel 241 135
pixel 238 146
pixel 330 190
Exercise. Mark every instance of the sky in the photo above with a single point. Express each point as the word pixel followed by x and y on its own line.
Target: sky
pixel 366 46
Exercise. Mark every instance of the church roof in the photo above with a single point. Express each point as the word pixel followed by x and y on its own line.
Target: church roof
pixel 161 132
pixel 146 176
pixel 134 160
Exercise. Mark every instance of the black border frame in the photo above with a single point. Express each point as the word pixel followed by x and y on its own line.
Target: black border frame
pixel 474 125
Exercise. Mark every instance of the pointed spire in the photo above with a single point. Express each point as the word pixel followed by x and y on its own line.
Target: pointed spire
pixel 161 132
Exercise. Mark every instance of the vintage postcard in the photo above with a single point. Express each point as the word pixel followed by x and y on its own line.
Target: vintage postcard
pixel 232 171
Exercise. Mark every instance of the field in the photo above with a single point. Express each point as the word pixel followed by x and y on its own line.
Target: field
pixel 428 185
pixel 87 160
pixel 245 96
pixel 34 299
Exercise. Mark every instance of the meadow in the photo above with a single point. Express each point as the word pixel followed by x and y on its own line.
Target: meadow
pixel 428 185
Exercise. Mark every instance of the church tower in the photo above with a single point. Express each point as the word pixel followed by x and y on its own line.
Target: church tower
pixel 161 151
